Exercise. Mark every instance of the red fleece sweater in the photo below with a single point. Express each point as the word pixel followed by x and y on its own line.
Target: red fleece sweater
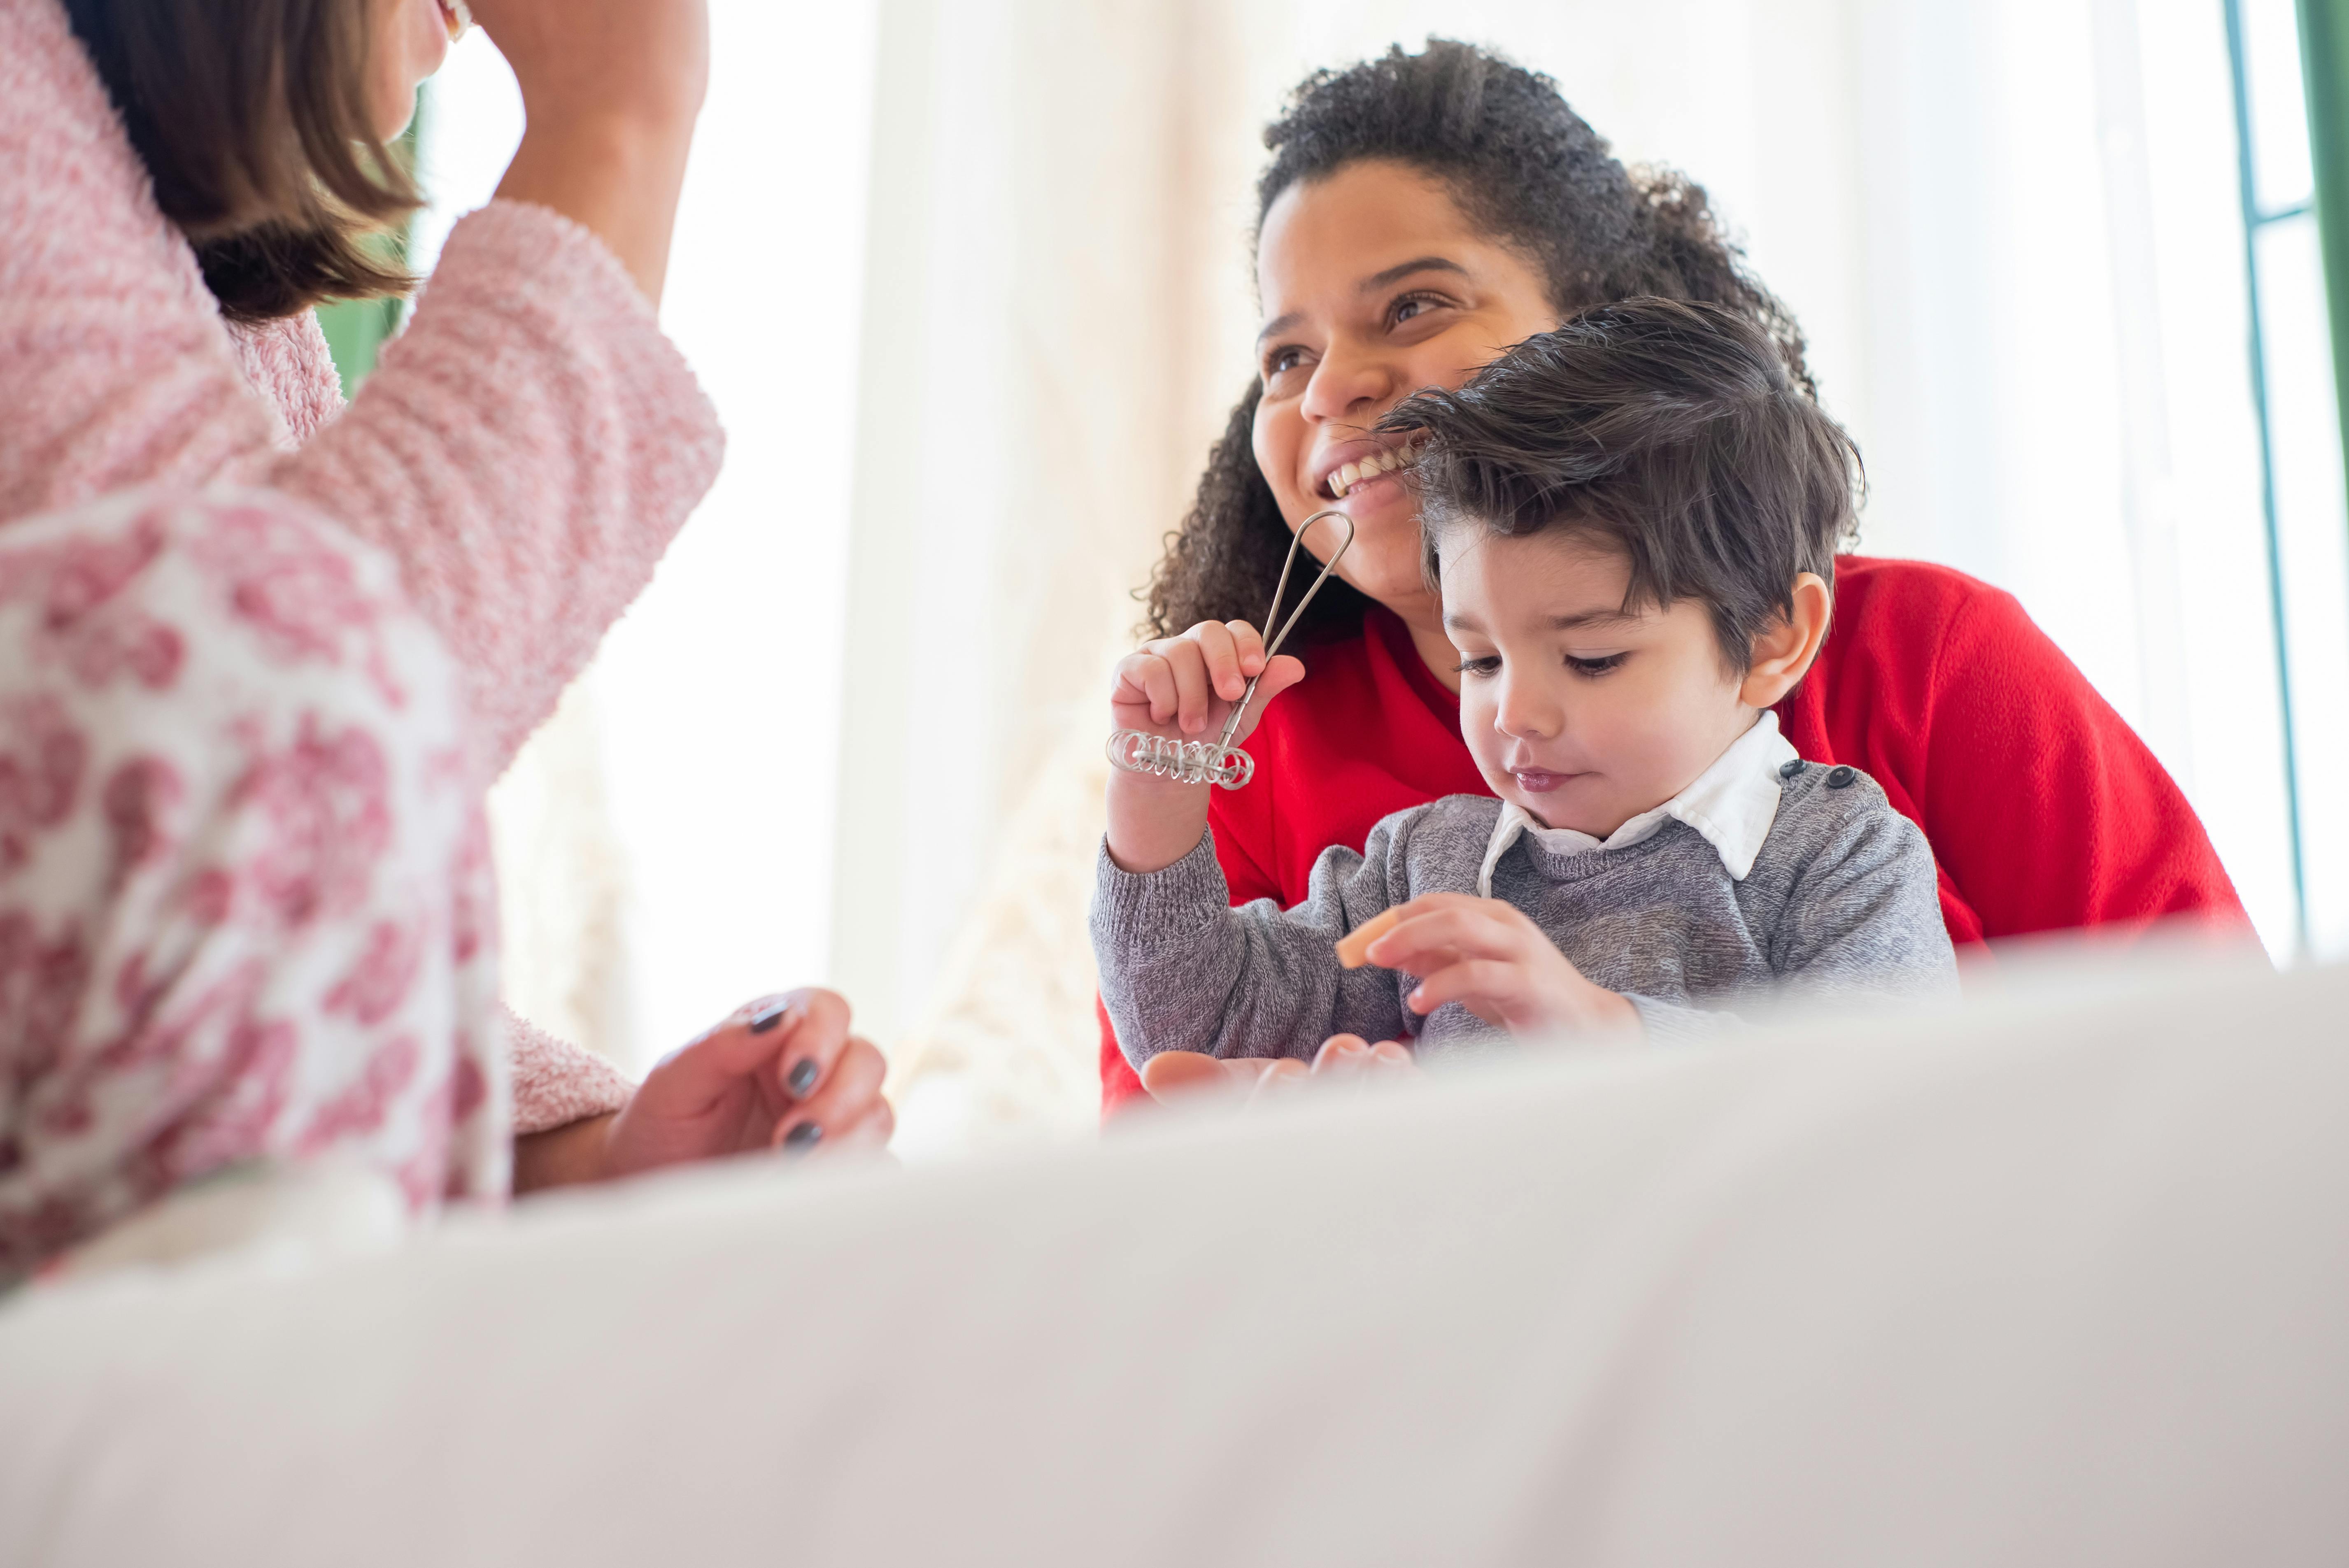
pixel 2045 811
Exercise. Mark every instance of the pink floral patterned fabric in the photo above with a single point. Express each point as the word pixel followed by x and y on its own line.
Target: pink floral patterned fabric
pixel 245 899
pixel 524 454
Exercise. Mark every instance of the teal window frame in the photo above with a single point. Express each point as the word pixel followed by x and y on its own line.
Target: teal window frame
pixel 2324 36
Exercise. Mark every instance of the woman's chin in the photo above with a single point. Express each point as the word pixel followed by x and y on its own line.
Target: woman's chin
pixel 1383 560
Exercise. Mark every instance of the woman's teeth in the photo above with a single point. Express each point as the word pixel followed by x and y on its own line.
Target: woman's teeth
pixel 1389 462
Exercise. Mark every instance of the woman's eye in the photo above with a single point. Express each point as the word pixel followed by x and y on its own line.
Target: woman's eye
pixel 1410 307
pixel 1485 665
pixel 1594 666
pixel 1281 361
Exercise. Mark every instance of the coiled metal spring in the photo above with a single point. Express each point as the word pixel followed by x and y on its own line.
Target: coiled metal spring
pixel 1184 761
pixel 1218 761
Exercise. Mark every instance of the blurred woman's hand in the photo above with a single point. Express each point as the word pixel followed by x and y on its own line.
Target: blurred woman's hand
pixel 783 1073
pixel 611 90
pixel 644 60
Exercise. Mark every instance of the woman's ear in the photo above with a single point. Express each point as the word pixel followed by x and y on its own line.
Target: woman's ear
pixel 1785 649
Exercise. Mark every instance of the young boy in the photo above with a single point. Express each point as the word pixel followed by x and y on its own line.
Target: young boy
pixel 1632 523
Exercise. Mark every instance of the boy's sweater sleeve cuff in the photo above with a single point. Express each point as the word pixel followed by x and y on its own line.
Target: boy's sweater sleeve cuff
pixel 1140 908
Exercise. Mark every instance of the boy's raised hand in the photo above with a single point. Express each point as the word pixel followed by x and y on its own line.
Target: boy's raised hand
pixel 1183 688
pixel 1490 959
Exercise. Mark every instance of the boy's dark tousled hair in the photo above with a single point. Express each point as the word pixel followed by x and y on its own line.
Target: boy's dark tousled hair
pixel 1525 170
pixel 1667 430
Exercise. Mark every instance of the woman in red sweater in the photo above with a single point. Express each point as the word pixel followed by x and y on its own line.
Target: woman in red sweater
pixel 1422 213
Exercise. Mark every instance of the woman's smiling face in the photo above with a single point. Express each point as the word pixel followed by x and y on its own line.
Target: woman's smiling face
pixel 1374 285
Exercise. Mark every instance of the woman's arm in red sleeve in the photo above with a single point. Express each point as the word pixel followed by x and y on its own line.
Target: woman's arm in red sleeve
pixel 2042 805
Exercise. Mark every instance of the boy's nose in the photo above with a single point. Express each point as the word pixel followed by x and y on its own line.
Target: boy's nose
pixel 1527 712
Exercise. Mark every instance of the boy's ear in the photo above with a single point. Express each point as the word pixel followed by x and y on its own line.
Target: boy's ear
pixel 1784 650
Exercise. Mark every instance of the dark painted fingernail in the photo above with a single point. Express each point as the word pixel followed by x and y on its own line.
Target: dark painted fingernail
pixel 803 1076
pixel 805 1136
pixel 769 1016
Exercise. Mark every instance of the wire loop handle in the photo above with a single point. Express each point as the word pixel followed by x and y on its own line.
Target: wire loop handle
pixel 1218 761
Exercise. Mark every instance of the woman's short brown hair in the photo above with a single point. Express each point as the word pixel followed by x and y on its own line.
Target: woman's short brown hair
pixel 1668 430
pixel 253 119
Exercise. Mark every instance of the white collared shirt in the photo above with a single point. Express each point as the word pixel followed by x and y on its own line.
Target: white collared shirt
pixel 1732 803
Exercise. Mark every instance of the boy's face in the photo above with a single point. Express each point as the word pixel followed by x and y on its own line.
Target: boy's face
pixel 1583 715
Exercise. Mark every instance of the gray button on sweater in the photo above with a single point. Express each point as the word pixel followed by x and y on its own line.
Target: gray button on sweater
pixel 1841 901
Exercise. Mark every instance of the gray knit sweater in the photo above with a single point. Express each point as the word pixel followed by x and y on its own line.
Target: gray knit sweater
pixel 1841 900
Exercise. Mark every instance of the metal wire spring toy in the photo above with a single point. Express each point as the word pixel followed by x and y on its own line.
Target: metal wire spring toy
pixel 1218 761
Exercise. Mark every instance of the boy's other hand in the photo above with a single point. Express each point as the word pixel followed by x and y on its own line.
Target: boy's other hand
pixel 1343 1060
pixel 1490 959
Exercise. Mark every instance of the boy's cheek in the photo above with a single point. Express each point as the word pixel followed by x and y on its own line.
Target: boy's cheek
pixel 1485 744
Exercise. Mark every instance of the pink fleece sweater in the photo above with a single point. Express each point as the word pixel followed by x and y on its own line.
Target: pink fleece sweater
pixel 525 451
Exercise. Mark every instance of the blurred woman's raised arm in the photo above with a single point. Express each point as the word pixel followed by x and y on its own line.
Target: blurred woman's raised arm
pixel 525 452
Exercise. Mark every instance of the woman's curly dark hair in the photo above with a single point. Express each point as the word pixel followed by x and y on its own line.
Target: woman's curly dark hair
pixel 1530 172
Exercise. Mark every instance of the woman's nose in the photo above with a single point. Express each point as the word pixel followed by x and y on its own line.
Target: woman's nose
pixel 1351 385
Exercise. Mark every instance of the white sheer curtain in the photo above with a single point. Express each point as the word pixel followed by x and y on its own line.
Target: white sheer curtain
pixel 2010 231
pixel 663 842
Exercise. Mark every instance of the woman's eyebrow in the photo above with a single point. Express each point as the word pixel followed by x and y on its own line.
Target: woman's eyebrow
pixel 1378 281
pixel 1280 323
pixel 1372 284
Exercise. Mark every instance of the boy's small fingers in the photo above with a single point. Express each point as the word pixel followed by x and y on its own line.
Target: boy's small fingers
pixel 1419 942
pixel 1146 678
pixel 1286 671
pixel 1249 643
pixel 1472 981
pixel 1222 658
pixel 1177 1073
pixel 1340 1055
pixel 1192 690
pixel 1279 1079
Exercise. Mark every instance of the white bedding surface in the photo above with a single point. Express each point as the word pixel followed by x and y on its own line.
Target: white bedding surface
pixel 2061 1277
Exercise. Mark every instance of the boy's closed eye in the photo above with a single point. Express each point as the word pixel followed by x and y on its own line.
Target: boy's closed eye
pixel 1590 666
